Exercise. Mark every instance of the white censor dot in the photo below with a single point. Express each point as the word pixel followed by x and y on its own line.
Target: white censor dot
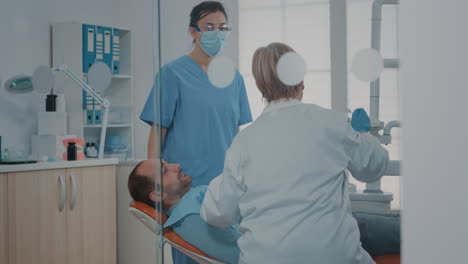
pixel 291 69
pixel 99 77
pixel 221 72
pixel 43 79
pixel 367 65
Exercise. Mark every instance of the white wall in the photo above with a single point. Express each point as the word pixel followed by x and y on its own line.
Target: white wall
pixel 25 44
pixel 138 16
pixel 433 48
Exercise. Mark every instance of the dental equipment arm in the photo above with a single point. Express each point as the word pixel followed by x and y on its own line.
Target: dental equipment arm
pixel 386 138
pixel 104 102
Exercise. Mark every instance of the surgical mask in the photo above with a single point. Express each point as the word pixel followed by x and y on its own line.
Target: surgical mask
pixel 212 42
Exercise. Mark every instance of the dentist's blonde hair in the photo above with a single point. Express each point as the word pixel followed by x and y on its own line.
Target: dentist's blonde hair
pixel 264 64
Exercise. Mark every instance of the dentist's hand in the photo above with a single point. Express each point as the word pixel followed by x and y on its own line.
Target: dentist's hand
pixel 360 121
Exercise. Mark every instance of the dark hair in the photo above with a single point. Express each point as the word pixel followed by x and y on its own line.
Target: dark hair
pixel 140 186
pixel 203 9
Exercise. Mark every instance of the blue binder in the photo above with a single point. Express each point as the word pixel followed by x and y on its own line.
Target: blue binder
pixel 88 106
pixel 89 113
pixel 99 44
pixel 116 51
pixel 108 47
pixel 89 49
pixel 97 117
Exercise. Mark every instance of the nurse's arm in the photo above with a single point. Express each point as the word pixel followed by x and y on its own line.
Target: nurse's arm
pixel 367 158
pixel 153 144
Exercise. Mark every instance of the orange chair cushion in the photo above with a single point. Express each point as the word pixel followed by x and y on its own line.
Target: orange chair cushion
pixel 169 233
pixel 387 259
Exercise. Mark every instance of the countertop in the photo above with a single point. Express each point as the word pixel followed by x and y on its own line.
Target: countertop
pixel 57 165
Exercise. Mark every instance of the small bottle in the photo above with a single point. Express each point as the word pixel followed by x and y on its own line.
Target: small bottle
pixel 87 148
pixel 93 150
pixel 71 151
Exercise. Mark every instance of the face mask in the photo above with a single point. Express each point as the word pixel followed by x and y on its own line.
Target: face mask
pixel 213 42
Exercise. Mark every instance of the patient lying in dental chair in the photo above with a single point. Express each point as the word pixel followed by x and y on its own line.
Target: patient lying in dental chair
pixel 380 233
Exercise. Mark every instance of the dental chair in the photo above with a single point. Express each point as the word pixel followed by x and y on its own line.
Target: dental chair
pixel 150 218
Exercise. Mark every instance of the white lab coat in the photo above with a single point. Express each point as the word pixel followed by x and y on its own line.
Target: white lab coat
pixel 284 175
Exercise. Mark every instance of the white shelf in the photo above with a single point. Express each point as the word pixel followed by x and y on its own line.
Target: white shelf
pixel 108 126
pixel 119 76
pixel 67 46
pixel 116 76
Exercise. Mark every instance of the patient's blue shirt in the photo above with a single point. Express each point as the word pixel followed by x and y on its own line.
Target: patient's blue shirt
pixel 184 217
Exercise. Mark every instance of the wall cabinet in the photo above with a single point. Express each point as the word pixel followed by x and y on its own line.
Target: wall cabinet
pixel 62 216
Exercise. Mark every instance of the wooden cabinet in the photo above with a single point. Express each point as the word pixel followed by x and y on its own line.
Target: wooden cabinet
pixel 62 216
pixel 91 222
pixel 36 217
pixel 3 219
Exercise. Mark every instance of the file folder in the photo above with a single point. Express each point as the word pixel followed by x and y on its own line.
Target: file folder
pixel 97 113
pixel 88 106
pixel 89 49
pixel 108 47
pixel 89 114
pixel 84 100
pixel 99 44
pixel 116 51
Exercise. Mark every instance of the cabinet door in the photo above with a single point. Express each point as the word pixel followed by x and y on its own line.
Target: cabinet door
pixel 92 215
pixel 36 217
pixel 3 219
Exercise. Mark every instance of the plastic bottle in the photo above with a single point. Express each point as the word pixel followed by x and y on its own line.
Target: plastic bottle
pixel 87 149
pixel 93 151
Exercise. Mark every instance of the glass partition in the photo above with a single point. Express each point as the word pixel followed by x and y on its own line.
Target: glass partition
pixel 188 86
pixel 361 15
pixel 202 52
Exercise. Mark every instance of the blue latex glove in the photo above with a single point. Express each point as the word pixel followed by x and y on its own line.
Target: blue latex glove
pixel 201 196
pixel 360 120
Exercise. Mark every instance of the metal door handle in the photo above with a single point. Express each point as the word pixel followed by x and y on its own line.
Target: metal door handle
pixel 73 200
pixel 63 193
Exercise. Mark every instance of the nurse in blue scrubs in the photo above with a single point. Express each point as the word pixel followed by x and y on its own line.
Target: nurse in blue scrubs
pixel 198 121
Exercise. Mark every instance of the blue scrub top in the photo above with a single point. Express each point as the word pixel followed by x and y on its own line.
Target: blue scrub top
pixel 201 119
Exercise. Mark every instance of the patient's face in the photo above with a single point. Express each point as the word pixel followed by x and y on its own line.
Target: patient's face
pixel 176 183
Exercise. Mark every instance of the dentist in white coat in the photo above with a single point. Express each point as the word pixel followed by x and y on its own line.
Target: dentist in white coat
pixel 284 178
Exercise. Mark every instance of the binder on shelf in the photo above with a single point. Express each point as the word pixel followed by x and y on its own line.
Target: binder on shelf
pixel 116 51
pixel 99 44
pixel 108 47
pixel 88 106
pixel 84 100
pixel 97 113
pixel 89 112
pixel 89 49
pixel 87 100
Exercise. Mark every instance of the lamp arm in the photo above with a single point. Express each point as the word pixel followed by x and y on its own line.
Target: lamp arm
pixel 65 69
pixel 102 101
